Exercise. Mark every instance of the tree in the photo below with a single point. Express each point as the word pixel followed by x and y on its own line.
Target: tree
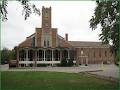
pixel 107 15
pixel 28 9
pixel 12 54
pixel 4 55
pixel 7 55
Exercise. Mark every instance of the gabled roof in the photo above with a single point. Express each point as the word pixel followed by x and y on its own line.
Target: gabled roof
pixel 31 35
pixel 63 42
pixel 26 43
pixel 88 44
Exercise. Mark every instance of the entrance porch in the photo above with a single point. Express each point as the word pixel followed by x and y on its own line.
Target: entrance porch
pixel 29 57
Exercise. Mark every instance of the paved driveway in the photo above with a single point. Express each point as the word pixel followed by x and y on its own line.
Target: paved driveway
pixel 99 69
pixel 109 71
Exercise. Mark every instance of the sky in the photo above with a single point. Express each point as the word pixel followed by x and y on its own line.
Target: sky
pixel 70 17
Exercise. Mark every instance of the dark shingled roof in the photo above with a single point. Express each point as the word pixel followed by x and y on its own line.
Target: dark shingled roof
pixel 88 44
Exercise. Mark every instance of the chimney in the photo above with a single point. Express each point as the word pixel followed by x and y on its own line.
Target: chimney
pixel 66 37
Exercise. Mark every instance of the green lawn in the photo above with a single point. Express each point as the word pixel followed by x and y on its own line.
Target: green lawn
pixel 21 80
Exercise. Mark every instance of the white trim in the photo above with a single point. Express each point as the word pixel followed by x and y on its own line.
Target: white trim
pixel 36 39
pixel 26 54
pixel 74 61
pixel 44 54
pixel 48 62
pixel 52 56
pixel 68 54
pixel 26 62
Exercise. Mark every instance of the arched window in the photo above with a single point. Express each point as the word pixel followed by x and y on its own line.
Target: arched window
pixel 47 40
pixel 44 43
pixel 48 43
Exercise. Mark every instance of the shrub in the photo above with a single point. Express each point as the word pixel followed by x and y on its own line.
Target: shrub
pixel 67 62
pixel 64 62
pixel 41 65
pixel 70 62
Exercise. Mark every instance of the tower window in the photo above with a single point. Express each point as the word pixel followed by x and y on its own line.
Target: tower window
pixel 47 43
pixel 44 43
pixel 47 39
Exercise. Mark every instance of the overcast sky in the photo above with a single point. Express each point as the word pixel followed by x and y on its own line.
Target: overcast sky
pixel 70 17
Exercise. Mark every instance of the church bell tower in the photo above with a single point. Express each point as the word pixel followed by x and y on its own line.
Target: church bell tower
pixel 46 17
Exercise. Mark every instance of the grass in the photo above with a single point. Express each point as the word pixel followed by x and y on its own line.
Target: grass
pixel 29 80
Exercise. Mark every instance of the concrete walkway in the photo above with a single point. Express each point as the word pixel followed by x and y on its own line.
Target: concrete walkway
pixel 98 69
pixel 111 71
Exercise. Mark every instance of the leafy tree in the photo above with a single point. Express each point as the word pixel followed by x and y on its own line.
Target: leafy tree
pixel 107 15
pixel 28 9
pixel 7 55
pixel 4 55
pixel 12 55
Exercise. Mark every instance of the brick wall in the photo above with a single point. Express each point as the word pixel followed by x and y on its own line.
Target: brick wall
pixel 96 55
pixel 38 37
pixel 54 37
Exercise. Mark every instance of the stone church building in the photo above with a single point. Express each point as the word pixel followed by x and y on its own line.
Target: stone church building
pixel 46 46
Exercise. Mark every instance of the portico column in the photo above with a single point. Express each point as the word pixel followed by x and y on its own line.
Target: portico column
pixel 44 55
pixel 52 57
pixel 35 58
pixel 82 57
pixel 60 55
pixel 68 55
pixel 87 60
pixel 27 56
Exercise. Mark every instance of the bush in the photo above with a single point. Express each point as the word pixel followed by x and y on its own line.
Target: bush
pixel 64 62
pixel 41 65
pixel 67 62
pixel 70 62
pixel 118 59
pixel 58 65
